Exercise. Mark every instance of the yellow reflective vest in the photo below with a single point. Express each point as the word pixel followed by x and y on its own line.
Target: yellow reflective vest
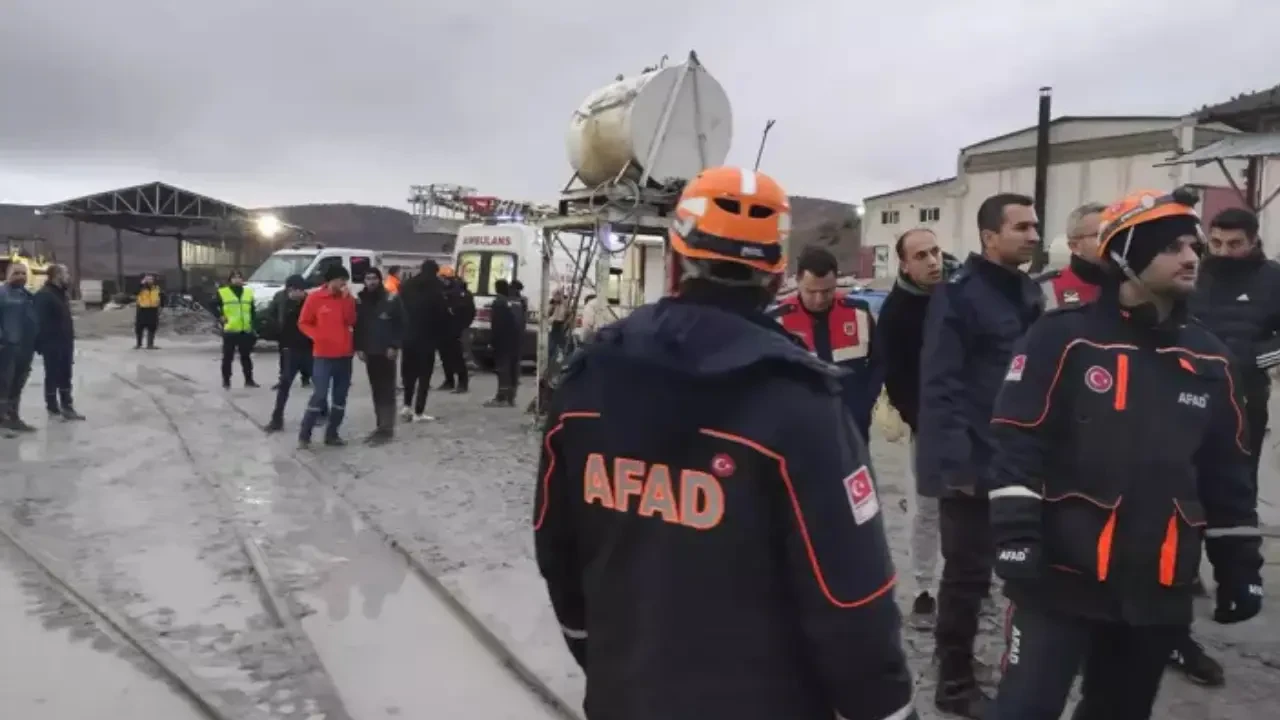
pixel 237 312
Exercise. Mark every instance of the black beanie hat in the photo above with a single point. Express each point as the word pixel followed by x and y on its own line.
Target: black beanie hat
pixel 295 282
pixel 1149 239
pixel 372 271
pixel 336 272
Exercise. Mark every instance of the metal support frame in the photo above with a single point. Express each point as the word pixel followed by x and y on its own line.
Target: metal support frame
pixel 1264 147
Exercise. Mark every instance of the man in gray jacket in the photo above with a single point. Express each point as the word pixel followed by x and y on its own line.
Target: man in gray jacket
pixel 18 328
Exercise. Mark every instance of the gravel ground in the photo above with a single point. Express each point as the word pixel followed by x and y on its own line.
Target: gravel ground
pixel 457 493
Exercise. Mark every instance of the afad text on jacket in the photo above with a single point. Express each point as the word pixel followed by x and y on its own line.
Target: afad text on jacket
pixel 1119 447
pixel 709 529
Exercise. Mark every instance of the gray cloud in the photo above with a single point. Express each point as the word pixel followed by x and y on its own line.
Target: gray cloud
pixel 322 100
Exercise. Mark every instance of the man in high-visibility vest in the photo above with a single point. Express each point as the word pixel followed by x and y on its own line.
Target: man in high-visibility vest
pixel 234 306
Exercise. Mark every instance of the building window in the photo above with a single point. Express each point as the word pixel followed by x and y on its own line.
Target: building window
pixel 888 217
pixel 930 214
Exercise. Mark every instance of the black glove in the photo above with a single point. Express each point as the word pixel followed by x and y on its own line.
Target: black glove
pixel 1018 560
pixel 1238 600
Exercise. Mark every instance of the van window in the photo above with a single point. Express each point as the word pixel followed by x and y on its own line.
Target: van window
pixel 359 267
pixel 316 275
pixel 479 270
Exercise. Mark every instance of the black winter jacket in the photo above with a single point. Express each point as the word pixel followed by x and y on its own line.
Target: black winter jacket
pixel 1120 446
pixel 709 529
pixel 900 340
pixel 505 325
pixel 282 322
pixel 379 322
pixel 427 319
pixel 56 334
pixel 1238 299
pixel 971 326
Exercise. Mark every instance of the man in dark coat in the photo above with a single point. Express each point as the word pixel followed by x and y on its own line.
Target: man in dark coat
pixel 55 342
pixel 922 268
pixel 453 346
pixel 295 347
pixel 427 324
pixel 971 326
pixel 506 322
pixel 18 329
pixel 379 335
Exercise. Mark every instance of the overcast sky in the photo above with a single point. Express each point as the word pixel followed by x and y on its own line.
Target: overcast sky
pixel 267 102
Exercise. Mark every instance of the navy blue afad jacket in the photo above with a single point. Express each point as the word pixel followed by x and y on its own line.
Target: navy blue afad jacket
pixel 708 526
pixel 971 326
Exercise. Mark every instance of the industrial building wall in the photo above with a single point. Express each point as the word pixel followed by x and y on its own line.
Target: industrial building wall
pixel 936 207
pixel 1073 184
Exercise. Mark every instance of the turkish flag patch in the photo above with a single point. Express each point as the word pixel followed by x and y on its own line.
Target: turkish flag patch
pixel 862 495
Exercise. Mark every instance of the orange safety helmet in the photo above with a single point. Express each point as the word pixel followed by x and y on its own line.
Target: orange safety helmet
pixel 1142 206
pixel 732 215
pixel 446 271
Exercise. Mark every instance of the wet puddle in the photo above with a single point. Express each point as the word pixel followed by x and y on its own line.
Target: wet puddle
pixel 394 649
pixel 56 665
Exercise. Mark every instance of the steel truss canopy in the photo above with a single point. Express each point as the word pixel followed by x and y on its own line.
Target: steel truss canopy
pixel 1245 146
pixel 159 210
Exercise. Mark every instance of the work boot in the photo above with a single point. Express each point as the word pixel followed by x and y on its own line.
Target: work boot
pixel 461 390
pixel 924 610
pixel 1191 660
pixel 379 437
pixel 226 383
pixel 69 414
pixel 304 443
pixel 496 402
pixel 275 425
pixel 16 424
pixel 964 699
pixel 446 385
pixel 335 441
pixel 249 383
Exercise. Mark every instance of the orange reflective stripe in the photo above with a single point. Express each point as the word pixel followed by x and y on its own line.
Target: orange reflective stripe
pixel 1105 538
pixel 1122 381
pixel 1169 551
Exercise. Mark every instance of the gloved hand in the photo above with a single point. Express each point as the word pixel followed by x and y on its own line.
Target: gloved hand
pixel 1018 560
pixel 1238 600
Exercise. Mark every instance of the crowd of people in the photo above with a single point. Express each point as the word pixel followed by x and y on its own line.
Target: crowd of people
pixel 709 525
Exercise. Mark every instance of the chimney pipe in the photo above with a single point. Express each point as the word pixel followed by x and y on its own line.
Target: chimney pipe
pixel 1041 257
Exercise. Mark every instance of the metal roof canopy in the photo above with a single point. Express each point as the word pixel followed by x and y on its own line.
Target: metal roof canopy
pixel 159 210
pixel 1245 146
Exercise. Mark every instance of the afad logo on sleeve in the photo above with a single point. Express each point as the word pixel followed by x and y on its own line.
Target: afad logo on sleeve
pixel 862 495
pixel 1016 367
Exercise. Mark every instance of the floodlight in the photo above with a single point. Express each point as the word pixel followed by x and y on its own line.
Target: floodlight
pixel 860 210
pixel 268 226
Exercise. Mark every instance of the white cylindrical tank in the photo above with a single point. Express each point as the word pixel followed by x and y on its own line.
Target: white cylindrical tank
pixel 618 125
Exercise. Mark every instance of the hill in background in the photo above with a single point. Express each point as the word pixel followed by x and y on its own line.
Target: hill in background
pixel 816 222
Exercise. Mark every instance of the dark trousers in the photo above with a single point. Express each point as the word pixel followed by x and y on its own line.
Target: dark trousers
pixel 145 323
pixel 302 357
pixel 453 361
pixel 416 368
pixel 556 337
pixel 382 384
pixel 1256 415
pixel 1123 665
pixel 242 343
pixel 967 557
pixel 293 362
pixel 506 364
pixel 15 367
pixel 57 379
pixel 330 383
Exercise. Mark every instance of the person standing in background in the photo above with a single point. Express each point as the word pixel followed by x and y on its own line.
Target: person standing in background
pixel 922 267
pixel 56 342
pixel 392 283
pixel 379 335
pixel 146 317
pixel 1078 282
pixel 970 329
pixel 295 347
pixel 426 326
pixel 328 317
pixel 18 329
pixel 836 328
pixel 234 305
pixel 455 344
pixel 505 331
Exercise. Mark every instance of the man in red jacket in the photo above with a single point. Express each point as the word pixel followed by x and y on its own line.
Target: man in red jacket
pixel 1078 282
pixel 328 317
